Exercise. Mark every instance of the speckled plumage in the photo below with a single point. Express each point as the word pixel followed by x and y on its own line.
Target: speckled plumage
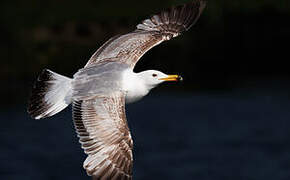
pixel 129 48
pixel 98 91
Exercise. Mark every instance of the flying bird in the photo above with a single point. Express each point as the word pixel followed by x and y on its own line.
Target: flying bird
pixel 98 92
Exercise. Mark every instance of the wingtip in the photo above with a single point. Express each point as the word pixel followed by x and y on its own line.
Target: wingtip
pixel 194 9
pixel 174 20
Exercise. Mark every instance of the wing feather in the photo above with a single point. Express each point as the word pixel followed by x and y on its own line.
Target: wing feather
pixel 104 135
pixel 129 48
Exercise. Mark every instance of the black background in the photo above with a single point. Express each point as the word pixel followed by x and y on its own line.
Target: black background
pixel 228 119
pixel 234 44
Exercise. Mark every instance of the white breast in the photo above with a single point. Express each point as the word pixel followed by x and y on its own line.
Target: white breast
pixel 134 86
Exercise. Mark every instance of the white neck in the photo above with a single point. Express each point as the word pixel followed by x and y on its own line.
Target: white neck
pixel 134 85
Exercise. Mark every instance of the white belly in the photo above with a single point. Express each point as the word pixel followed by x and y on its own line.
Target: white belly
pixel 133 97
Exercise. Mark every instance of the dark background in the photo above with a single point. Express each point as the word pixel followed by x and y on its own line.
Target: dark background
pixel 229 119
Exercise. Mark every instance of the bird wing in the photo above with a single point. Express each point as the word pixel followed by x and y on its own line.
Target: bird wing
pixel 105 137
pixel 129 48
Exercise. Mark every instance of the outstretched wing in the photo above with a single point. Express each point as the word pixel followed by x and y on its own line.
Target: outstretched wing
pixel 129 48
pixel 105 137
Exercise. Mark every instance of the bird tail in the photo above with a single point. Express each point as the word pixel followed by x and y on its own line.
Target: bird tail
pixel 51 94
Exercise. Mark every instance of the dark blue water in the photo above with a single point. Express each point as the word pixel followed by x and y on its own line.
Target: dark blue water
pixel 234 136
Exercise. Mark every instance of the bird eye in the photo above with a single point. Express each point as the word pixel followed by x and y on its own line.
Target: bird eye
pixel 154 75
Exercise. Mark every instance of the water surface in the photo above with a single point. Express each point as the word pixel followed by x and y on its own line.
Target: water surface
pixel 241 136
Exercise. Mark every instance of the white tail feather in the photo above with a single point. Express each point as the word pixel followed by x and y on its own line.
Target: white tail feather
pixel 51 94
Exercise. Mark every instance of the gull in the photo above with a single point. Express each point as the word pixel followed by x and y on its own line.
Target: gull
pixel 98 92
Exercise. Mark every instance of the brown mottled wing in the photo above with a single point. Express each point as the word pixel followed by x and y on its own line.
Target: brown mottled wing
pixel 105 137
pixel 129 48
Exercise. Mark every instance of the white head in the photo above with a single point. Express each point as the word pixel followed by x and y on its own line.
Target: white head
pixel 152 77
pixel 138 85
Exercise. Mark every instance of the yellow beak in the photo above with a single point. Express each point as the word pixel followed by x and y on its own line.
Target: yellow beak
pixel 172 78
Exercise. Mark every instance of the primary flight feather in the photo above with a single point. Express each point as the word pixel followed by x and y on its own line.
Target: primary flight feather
pixel 98 92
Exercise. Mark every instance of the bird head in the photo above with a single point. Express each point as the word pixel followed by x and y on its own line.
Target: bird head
pixel 152 77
